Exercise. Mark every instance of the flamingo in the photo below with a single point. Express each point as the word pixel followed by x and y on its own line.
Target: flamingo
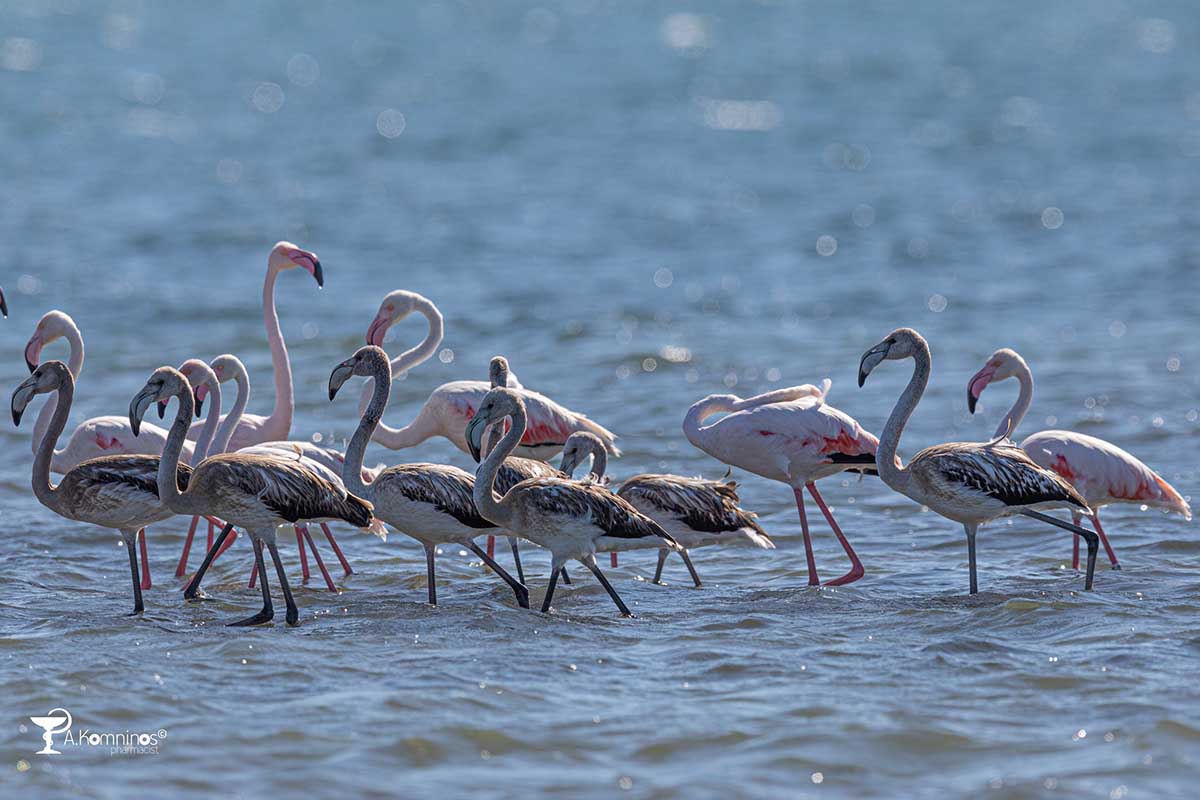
pixel 115 491
pixel 259 493
pixel 571 519
pixel 1100 471
pixel 451 405
pixel 98 436
pixel 515 469
pixel 327 461
pixel 968 482
pixel 696 512
pixel 430 502
pixel 789 435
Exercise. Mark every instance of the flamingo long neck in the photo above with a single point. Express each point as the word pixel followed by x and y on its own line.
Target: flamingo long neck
pixel 356 452
pixel 1008 425
pixel 204 443
pixel 497 376
pixel 75 365
pixel 490 505
pixel 885 458
pixel 42 488
pixel 693 421
pixel 599 458
pixel 279 424
pixel 410 435
pixel 225 432
pixel 168 464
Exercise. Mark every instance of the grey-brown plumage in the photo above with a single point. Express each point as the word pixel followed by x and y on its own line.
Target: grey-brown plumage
pixel 446 488
pixel 1001 471
pixel 702 505
pixel 592 502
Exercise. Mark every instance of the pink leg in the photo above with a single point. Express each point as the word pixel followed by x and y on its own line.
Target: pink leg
pixel 228 542
pixel 813 578
pixel 1112 557
pixel 856 567
pixel 303 555
pixel 1075 543
pixel 336 550
pixel 320 564
pixel 145 559
pixel 253 575
pixel 491 546
pixel 612 558
pixel 210 535
pixel 187 548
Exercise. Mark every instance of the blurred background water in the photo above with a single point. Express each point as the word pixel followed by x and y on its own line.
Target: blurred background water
pixel 639 205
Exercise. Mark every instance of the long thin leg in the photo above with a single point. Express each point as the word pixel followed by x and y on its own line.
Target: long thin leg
pixel 329 584
pixel 970 529
pixel 1093 541
pixel 1112 557
pixel 566 578
pixel 662 559
pixel 491 545
pixel 856 567
pixel 304 573
pixel 131 546
pixel 612 559
pixel 181 569
pixel 293 613
pixel 253 576
pixel 429 576
pixel 268 611
pixel 516 551
pixel 518 588
pixel 228 542
pixel 589 561
pixel 555 569
pixel 813 578
pixel 145 559
pixel 1075 518
pixel 193 586
pixel 687 559
pixel 337 551
pixel 210 534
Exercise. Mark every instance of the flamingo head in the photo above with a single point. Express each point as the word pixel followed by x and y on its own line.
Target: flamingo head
pixel 497 404
pixel 900 343
pixel 46 378
pixel 1001 365
pixel 498 371
pixel 164 383
pixel 395 307
pixel 369 361
pixel 200 376
pixel 577 448
pixel 286 255
pixel 52 326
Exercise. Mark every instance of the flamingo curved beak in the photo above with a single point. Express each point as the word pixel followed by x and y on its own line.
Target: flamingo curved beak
pixel 870 360
pixel 378 329
pixel 341 373
pixel 475 429
pixel 3 305
pixel 138 406
pixel 977 384
pixel 33 351
pixel 21 397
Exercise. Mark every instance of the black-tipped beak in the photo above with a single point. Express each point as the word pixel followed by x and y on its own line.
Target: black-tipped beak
pixel 475 429
pixel 32 366
pixel 3 306
pixel 337 379
pixel 162 409
pixel 17 416
pixel 862 376
pixel 198 400
pixel 319 274
pixel 971 401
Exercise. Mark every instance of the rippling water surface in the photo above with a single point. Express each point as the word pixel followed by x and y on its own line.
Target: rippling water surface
pixel 639 206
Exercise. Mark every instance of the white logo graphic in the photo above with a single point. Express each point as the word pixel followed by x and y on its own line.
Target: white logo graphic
pixel 57 721
pixel 119 743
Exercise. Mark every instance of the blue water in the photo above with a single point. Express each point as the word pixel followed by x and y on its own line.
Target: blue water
pixel 587 187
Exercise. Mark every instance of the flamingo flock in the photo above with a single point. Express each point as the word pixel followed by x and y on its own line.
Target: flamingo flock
pixel 240 470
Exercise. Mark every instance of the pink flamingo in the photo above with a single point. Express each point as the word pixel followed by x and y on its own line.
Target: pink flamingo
pixel 255 429
pixel 452 405
pixel 1100 471
pixel 789 435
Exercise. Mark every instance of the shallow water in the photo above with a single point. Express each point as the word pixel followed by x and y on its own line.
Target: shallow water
pixel 575 186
